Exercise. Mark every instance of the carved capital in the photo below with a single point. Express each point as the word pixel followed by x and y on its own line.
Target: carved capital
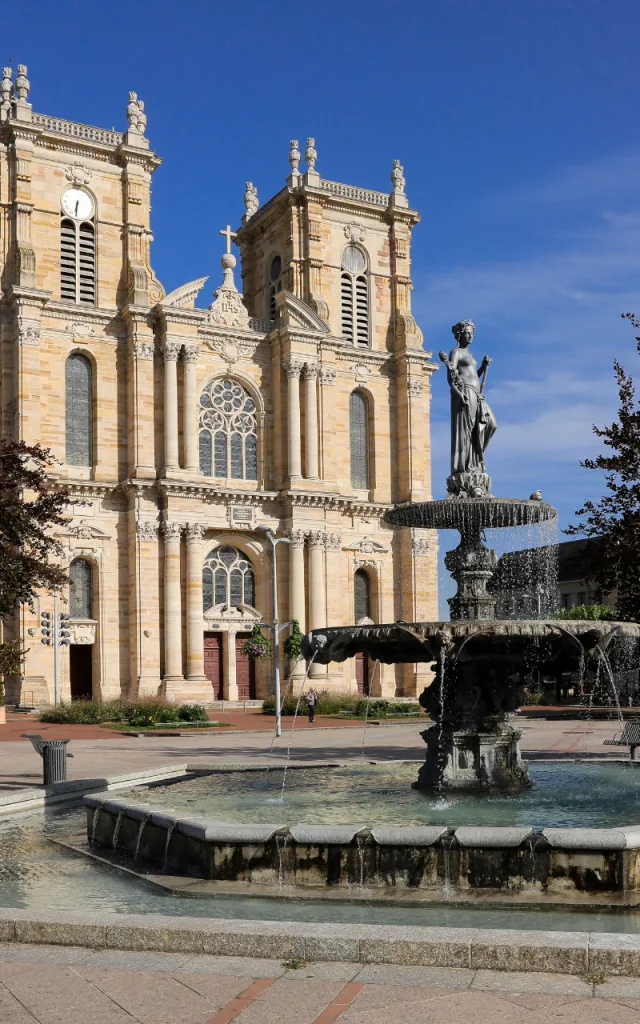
pixel 195 532
pixel 293 368
pixel 327 375
pixel 414 387
pixel 420 543
pixel 143 349
pixel 297 538
pixel 317 538
pixel 146 529
pixel 171 351
pixel 172 531
pixel 310 371
pixel 334 541
pixel 191 353
pixel 28 331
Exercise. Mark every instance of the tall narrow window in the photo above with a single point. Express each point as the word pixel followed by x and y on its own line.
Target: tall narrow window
pixel 275 284
pixel 227 579
pixel 78 400
pixel 354 296
pixel 80 589
pixel 78 248
pixel 228 432
pixel 361 595
pixel 359 438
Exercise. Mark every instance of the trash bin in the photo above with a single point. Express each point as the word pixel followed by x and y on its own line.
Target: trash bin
pixel 54 757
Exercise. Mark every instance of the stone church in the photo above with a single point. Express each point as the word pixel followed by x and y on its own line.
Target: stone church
pixel 182 432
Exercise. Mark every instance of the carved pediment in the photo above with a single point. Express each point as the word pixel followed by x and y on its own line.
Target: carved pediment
pixel 185 296
pixel 293 312
pixel 367 546
pixel 84 530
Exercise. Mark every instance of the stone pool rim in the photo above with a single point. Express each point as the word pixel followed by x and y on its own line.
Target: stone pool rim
pixel 506 949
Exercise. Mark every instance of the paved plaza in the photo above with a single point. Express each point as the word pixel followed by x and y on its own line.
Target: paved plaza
pixel 52 985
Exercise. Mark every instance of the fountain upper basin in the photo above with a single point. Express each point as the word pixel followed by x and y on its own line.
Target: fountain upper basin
pixel 471 514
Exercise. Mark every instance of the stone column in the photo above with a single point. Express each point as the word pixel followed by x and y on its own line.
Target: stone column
pixel 311 418
pixel 171 352
pixel 293 369
pixel 195 625
pixel 173 676
pixel 317 543
pixel 144 609
pixel 297 600
pixel 230 684
pixel 190 411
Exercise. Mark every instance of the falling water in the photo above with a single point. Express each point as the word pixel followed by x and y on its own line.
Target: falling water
pixel 376 666
pixel 447 888
pixel 293 724
pixel 144 821
pixel 94 824
pixel 165 859
pixel 607 667
pixel 442 658
pixel 116 831
pixel 360 847
pixel 281 844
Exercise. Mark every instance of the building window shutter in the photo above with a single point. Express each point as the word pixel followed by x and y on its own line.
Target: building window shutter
pixel 77 262
pixel 354 296
pixel 359 438
pixel 78 395
pixel 80 588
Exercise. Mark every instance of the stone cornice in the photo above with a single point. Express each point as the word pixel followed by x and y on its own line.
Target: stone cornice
pixel 178 315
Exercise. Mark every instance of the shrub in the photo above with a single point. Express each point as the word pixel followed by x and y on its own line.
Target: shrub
pixel 334 703
pixel 192 713
pixel 84 712
pixel 590 611
pixel 137 711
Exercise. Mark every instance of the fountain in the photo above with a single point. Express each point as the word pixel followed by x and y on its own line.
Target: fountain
pixel 478 661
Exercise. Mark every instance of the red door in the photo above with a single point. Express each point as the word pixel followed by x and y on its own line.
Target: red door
pixel 362 673
pixel 213 662
pixel 245 670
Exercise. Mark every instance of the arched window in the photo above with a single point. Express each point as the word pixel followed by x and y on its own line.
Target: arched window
pixel 78 402
pixel 78 262
pixel 354 294
pixel 80 589
pixel 359 439
pixel 228 431
pixel 275 284
pixel 227 579
pixel 361 595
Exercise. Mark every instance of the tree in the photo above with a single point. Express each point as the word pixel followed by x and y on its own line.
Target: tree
pixel 615 518
pixel 29 507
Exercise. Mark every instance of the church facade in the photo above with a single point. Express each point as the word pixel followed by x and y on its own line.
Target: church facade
pixel 300 406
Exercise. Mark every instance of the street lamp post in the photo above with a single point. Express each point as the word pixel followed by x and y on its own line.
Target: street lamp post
pixel 277 628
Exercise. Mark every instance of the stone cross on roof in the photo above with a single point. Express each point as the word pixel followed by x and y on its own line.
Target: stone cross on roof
pixel 228 234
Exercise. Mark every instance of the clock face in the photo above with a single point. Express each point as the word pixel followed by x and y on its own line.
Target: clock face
pixel 77 204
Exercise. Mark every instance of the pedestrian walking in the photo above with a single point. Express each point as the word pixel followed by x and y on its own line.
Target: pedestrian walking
pixel 312 700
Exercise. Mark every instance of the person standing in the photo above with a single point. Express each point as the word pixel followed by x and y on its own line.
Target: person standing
pixel 312 701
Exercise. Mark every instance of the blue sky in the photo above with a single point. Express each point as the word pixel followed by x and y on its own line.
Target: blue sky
pixel 516 121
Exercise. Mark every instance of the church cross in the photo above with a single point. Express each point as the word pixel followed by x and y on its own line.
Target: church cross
pixel 228 234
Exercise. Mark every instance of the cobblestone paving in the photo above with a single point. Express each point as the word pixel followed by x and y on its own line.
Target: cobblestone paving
pixel 62 985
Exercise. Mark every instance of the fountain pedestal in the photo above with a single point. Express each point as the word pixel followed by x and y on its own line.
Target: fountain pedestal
pixel 472 760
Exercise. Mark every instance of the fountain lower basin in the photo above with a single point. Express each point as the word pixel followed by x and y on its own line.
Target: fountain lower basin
pixel 428 856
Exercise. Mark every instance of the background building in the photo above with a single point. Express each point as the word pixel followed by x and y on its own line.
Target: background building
pixel 181 431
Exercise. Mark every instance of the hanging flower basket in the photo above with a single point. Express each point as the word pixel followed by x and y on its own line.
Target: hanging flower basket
pixel 257 646
pixel 293 644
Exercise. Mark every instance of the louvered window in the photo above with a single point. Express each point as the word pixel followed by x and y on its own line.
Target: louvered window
pixel 78 411
pixel 78 262
pixel 228 432
pixel 80 587
pixel 275 285
pixel 354 296
pixel 361 595
pixel 359 437
pixel 227 579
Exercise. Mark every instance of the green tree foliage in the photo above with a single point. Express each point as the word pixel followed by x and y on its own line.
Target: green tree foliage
pixel 589 611
pixel 615 518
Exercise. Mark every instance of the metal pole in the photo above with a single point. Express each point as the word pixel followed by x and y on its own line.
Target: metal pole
pixel 276 638
pixel 54 637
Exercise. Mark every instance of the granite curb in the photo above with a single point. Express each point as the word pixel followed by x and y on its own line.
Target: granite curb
pixel 553 952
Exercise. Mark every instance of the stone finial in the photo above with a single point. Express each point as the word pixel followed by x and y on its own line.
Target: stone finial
pixel 142 117
pixel 251 203
pixel 294 156
pixel 137 121
pixel 22 83
pixel 311 154
pixel 6 91
pixel 397 178
pixel 228 309
pixel 132 110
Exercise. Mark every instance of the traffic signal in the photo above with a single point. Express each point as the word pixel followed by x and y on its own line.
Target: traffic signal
pixel 46 627
pixel 63 632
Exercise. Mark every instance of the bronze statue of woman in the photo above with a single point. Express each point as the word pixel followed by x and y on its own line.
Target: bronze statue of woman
pixel 472 421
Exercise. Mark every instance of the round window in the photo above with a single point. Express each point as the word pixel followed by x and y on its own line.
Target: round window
pixel 353 259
